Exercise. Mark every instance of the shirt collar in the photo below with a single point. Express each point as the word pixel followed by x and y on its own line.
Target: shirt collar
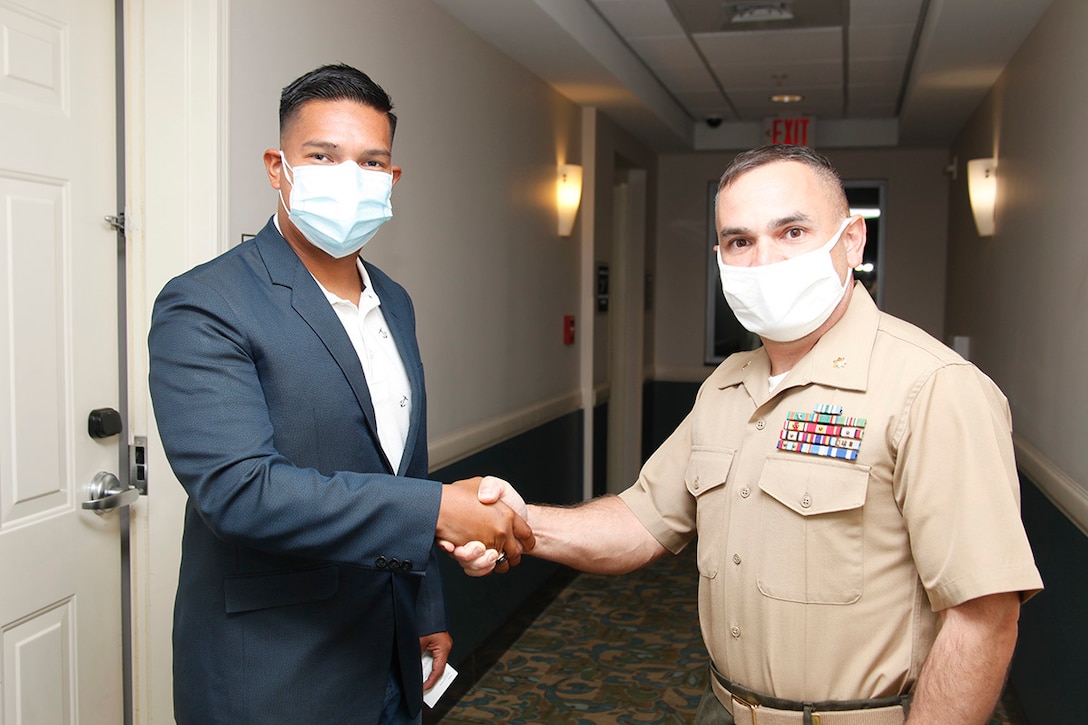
pixel 369 298
pixel 839 359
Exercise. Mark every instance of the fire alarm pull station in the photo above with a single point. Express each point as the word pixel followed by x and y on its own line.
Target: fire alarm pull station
pixel 568 329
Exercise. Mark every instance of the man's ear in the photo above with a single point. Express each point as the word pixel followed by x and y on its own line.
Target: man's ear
pixel 273 164
pixel 854 240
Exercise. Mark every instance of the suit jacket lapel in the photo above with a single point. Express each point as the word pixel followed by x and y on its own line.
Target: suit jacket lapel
pixel 286 270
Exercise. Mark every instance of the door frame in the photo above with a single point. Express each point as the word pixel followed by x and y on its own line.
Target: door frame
pixel 626 363
pixel 175 150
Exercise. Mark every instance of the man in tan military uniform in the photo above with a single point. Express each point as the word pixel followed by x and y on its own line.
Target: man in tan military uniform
pixel 851 482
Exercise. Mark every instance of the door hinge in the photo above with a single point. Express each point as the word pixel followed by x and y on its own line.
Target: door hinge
pixel 117 222
pixel 137 457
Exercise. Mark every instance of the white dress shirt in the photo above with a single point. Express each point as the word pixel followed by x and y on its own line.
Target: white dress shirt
pixel 390 391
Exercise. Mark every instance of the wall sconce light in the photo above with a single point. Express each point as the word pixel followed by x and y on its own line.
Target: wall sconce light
pixel 568 196
pixel 982 188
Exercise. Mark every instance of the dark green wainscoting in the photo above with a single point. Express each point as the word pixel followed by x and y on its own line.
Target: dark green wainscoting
pixel 664 405
pixel 1050 667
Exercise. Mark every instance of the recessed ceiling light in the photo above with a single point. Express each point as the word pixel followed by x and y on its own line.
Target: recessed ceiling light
pixel 787 98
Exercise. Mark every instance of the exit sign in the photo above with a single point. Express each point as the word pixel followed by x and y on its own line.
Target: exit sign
pixel 797 131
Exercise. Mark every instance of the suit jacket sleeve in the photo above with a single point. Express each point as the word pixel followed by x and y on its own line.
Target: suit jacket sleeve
pixel 264 435
pixel 431 606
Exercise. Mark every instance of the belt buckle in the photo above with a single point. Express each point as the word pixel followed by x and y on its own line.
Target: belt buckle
pixel 751 708
pixel 815 718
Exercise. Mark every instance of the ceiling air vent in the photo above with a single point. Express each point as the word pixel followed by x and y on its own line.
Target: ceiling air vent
pixel 759 12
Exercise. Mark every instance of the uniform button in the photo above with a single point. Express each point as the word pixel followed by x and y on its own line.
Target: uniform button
pixel 381 562
pixel 761 424
pixel 406 565
pixel 806 501
pixel 735 631
pixel 736 558
pixel 695 483
pixel 394 563
pixel 744 492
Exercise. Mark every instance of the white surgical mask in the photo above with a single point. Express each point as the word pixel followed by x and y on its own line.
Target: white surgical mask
pixel 338 208
pixel 786 300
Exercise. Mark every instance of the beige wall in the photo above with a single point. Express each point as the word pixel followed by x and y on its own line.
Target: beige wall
pixel 914 252
pixel 1021 296
pixel 473 237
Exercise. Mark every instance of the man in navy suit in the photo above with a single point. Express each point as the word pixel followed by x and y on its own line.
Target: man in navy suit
pixel 288 391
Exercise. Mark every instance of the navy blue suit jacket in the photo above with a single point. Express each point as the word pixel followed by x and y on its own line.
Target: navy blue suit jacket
pixel 308 565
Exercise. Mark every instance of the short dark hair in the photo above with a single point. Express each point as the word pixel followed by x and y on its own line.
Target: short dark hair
pixel 755 158
pixel 334 83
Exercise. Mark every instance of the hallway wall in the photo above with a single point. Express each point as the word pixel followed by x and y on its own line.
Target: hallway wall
pixel 1021 297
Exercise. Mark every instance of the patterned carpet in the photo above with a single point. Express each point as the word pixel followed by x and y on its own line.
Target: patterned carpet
pixel 609 650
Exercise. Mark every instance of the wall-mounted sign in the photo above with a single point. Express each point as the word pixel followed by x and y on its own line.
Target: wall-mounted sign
pixel 797 131
pixel 602 288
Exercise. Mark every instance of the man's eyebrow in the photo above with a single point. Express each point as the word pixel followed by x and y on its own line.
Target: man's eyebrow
pixel 790 219
pixel 731 231
pixel 331 146
pixel 778 223
pixel 321 144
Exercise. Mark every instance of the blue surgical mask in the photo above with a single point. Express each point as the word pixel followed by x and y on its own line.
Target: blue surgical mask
pixel 338 208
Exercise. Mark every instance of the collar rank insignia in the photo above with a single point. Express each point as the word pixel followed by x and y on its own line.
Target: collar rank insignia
pixel 823 432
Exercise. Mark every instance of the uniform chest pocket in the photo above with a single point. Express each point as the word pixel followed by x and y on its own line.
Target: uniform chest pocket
pixel 705 476
pixel 812 528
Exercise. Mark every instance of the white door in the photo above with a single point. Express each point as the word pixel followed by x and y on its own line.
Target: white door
pixel 60 583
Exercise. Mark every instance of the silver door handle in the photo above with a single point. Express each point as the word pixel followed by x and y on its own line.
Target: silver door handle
pixel 105 493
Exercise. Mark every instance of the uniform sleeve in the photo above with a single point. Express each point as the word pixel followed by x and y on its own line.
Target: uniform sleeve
pixel 957 486
pixel 216 428
pixel 660 498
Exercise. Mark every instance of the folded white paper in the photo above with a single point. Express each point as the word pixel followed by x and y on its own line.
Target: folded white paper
pixel 430 697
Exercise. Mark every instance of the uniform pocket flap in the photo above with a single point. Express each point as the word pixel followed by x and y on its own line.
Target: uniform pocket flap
pixel 280 589
pixel 707 469
pixel 811 487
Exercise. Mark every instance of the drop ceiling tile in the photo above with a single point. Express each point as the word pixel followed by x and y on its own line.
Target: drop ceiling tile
pixel 885 41
pixel 770 46
pixel 865 13
pixel 686 79
pixel 787 75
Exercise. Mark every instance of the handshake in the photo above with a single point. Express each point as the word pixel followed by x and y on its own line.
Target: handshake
pixel 482 524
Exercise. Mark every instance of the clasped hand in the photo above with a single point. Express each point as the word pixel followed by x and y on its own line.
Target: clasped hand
pixel 476 527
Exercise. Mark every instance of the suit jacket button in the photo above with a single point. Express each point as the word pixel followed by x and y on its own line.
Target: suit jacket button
pixel 406 565
pixel 380 562
pixel 394 563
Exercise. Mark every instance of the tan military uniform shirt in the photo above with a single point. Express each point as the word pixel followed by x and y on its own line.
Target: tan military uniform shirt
pixel 838 515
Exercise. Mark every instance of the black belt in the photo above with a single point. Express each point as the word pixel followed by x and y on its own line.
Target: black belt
pixel 777 703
